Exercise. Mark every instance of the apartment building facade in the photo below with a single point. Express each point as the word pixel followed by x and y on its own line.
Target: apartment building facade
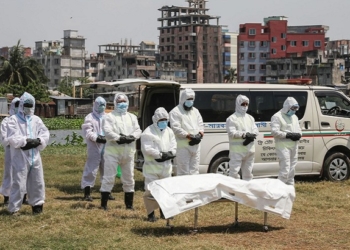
pixel 229 50
pixel 188 39
pixel 273 40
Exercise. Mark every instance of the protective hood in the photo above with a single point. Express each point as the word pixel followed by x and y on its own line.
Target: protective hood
pixel 26 98
pixel 288 103
pixel 117 97
pixel 12 106
pixel 98 102
pixel 160 113
pixel 187 93
pixel 239 100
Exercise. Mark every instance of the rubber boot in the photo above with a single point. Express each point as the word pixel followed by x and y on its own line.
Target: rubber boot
pixel 25 201
pixel 151 217
pixel 129 200
pixel 104 200
pixel 87 194
pixel 37 209
pixel 6 200
pixel 110 197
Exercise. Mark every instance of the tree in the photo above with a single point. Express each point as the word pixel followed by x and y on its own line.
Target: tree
pixel 19 74
pixel 231 76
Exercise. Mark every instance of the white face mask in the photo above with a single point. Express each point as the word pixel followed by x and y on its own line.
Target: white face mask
pixel 26 110
pixel 244 108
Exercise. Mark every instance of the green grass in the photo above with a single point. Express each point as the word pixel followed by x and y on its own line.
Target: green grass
pixel 320 217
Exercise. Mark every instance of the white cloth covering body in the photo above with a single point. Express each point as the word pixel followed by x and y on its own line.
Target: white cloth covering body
pixel 181 193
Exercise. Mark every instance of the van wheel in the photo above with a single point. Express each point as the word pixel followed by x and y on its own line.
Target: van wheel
pixel 220 166
pixel 337 167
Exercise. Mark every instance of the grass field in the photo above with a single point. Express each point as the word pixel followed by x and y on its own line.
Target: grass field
pixel 320 217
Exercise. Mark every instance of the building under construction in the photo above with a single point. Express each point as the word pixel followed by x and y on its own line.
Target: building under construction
pixel 189 40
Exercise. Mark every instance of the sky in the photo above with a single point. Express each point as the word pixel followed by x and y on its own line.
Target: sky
pixel 112 21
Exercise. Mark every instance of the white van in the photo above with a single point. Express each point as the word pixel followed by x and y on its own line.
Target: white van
pixel 324 116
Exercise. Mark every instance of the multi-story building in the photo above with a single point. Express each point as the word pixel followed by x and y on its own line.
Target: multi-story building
pixel 62 60
pixel 229 50
pixel 273 40
pixel 340 49
pixel 187 38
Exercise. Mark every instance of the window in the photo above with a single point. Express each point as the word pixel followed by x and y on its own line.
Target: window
pixel 241 67
pixel 328 100
pixel 263 79
pixel 252 32
pixel 251 55
pixel 252 79
pixel 274 67
pixel 302 66
pixel 214 106
pixel 180 38
pixel 241 43
pixel 263 44
pixel 305 43
pixel 283 47
pixel 263 66
pixel 273 51
pixel 281 66
pixel 317 43
pixel 56 71
pixel 168 39
pixel 241 56
pixel 293 43
pixel 186 47
pixel 57 61
pixel 251 44
pixel 162 40
pixel 274 39
pixel 180 47
pixel 263 55
pixel 251 66
pixel 264 104
pixel 295 66
pixel 241 78
pixel 283 35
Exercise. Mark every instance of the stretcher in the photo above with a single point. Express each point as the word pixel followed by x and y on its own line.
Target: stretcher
pixel 176 195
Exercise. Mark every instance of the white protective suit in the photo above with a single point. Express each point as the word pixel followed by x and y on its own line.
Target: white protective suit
pixel 114 124
pixel 7 178
pixel 184 122
pixel 92 128
pixel 237 125
pixel 286 149
pixel 153 142
pixel 27 169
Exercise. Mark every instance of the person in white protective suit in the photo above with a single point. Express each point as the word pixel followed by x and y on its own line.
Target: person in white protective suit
pixel 95 141
pixel 187 124
pixel 121 130
pixel 7 178
pixel 242 132
pixel 158 146
pixel 286 131
pixel 27 136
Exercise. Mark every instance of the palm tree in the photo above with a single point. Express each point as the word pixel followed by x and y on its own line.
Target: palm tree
pixel 231 77
pixel 19 69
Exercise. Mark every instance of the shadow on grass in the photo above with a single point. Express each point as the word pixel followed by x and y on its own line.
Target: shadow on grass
pixel 242 227
pixel 308 178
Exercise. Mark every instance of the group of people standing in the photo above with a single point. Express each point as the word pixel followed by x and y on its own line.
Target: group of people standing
pixel 111 143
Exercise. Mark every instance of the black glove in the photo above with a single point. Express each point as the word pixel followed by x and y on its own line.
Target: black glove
pixel 289 135
pixel 249 138
pixel 296 136
pixel 130 138
pixel 31 143
pixel 101 139
pixel 195 139
pixel 122 139
pixel 165 156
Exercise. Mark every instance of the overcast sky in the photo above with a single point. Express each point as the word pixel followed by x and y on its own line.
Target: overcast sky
pixel 109 21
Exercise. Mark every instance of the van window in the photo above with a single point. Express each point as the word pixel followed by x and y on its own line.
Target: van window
pixel 264 104
pixel 332 100
pixel 217 106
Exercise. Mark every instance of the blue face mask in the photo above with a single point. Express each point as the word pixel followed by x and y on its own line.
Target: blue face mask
pixel 101 109
pixel 189 103
pixel 122 106
pixel 162 124
pixel 291 112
